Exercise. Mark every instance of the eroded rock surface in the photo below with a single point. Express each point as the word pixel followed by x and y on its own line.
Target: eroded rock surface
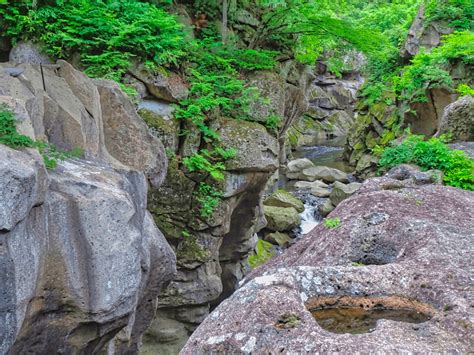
pixel 403 244
pixel 81 259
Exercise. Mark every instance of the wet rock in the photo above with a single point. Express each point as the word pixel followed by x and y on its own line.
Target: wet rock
pixel 326 208
pixel 278 238
pixel 281 219
pixel 458 119
pixel 394 247
pixel 282 198
pixel 341 191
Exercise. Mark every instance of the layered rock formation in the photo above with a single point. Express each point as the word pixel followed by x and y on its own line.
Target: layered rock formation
pixel 394 249
pixel 331 107
pixel 212 251
pixel 82 260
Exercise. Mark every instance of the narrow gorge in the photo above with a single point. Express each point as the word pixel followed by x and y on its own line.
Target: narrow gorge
pixel 236 177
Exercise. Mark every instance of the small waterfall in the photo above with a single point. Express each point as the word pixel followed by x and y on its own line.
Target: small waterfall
pixel 309 218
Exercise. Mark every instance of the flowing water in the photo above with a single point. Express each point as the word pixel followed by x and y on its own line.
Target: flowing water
pixel 356 320
pixel 328 154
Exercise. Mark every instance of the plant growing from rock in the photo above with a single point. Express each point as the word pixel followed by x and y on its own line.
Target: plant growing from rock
pixel 332 223
pixel 9 136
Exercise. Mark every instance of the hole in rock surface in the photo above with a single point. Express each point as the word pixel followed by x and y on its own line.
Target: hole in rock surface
pixel 358 315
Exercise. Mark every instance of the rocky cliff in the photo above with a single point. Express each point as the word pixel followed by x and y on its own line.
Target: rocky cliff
pixel 376 125
pixel 82 260
pixel 212 251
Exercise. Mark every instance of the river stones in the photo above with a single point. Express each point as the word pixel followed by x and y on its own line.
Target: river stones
pixel 278 238
pixel 304 169
pixel 341 191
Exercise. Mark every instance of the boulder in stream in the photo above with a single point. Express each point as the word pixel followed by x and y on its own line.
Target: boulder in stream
pixel 282 198
pixel 281 219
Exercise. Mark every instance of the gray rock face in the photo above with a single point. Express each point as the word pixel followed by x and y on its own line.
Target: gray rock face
pixel 82 260
pixel 212 257
pixel 28 53
pixel 77 112
pixel 409 253
pixel 458 119
pixel 330 113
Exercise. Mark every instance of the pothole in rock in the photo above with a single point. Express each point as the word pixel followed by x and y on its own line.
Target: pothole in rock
pixel 358 315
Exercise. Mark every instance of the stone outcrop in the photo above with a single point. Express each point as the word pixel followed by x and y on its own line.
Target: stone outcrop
pixel 331 107
pixel 82 260
pixel 395 248
pixel 211 251
pixel 458 119
pixel 378 124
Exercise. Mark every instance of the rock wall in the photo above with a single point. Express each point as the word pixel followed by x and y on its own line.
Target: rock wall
pixel 212 251
pixel 330 112
pixel 82 260
pixel 395 248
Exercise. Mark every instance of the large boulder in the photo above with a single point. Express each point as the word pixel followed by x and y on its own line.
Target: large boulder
pixel 458 119
pixel 61 105
pixel 161 84
pixel 342 191
pixel 281 219
pixel 82 258
pixel 394 249
pixel 28 53
pixel 282 198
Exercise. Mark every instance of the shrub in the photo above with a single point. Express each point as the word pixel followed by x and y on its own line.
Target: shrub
pixel 332 223
pixel 106 34
pixel 457 167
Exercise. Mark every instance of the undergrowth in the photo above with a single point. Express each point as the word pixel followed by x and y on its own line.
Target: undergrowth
pixel 457 167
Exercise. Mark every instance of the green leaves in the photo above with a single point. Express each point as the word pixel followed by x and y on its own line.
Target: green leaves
pixel 106 34
pixel 457 167
pixel 9 136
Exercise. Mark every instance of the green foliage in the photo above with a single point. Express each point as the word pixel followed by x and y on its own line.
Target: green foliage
pixel 106 34
pixel 457 167
pixel 208 197
pixel 264 251
pixel 427 70
pixel 9 136
pixel 332 223
pixel 465 89
pixel 272 122
pixel 458 14
pixel 205 163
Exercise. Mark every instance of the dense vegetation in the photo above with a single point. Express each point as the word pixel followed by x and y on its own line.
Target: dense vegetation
pixel 106 37
pixel 457 167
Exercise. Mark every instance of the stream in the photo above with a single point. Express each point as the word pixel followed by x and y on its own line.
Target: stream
pixel 328 154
